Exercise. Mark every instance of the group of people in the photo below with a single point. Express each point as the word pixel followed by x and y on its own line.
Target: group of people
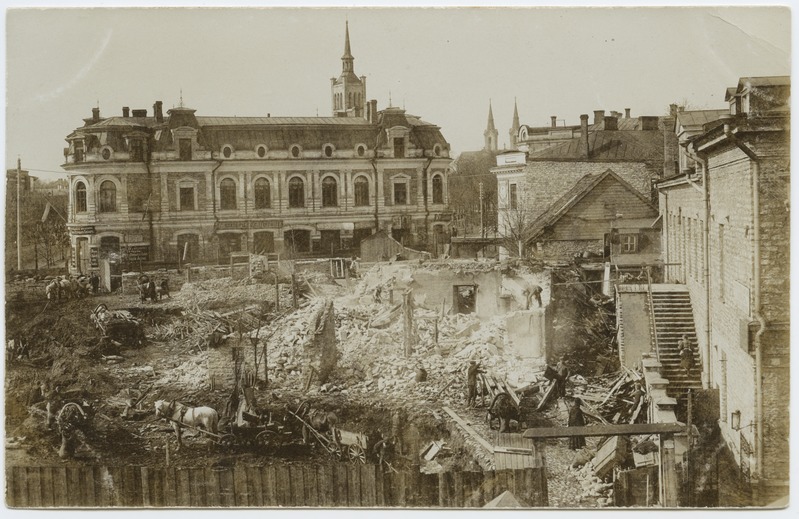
pixel 67 287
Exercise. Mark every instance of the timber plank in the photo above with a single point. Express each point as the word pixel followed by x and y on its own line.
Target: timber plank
pixel 368 485
pixel 212 487
pixel 469 429
pixel 48 496
pixel 353 486
pixel 21 483
pixel 457 494
pixel 145 487
pixel 34 487
pixel 297 485
pixel 59 486
pixel 341 483
pixel 240 493
pixel 227 497
pixel 325 485
pixel 156 476
pixel 283 489
pixel 254 486
pixel 171 487
pixel 105 487
pixel 268 483
pixel 88 478
pixel 310 493
pixel 183 487
pixel 604 430
pixel 380 488
pixel 73 487
pixel 198 487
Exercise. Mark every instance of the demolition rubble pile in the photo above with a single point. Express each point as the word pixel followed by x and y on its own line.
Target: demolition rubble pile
pixel 612 398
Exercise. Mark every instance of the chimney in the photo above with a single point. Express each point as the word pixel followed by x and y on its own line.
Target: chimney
pixel 95 115
pixel 598 116
pixel 371 111
pixel 649 122
pixel 615 114
pixel 584 135
pixel 125 111
pixel 672 109
pixel 626 113
pixel 140 113
pixel 611 123
pixel 554 119
pixel 158 111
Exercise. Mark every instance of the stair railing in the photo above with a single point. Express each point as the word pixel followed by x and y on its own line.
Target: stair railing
pixel 653 324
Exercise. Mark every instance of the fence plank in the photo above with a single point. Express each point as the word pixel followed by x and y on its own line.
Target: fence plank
pixel 21 485
pixel 226 497
pixel 34 487
pixel 297 485
pixel 268 484
pixel 366 476
pixel 46 477
pixel 170 487
pixel 458 496
pixel 73 486
pixel 158 482
pixel 282 486
pixel 380 486
pixel 199 486
pixel 324 485
pixel 59 486
pixel 240 494
pixel 310 493
pixel 104 486
pixel 212 487
pixel 254 486
pixel 353 486
pixel 183 487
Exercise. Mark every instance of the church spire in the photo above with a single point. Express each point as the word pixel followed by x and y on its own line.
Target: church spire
pixel 514 128
pixel 491 134
pixel 347 59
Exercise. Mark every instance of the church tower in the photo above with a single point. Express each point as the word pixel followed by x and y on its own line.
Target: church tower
pixel 348 91
pixel 491 134
pixel 514 127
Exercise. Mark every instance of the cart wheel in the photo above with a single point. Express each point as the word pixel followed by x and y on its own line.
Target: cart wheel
pixel 335 451
pixel 227 441
pixel 265 440
pixel 357 454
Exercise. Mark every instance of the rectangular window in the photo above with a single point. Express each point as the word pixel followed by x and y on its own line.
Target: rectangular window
pixel 400 193
pixel 629 243
pixel 514 197
pixel 136 151
pixel 187 199
pixel 185 149
pixel 399 147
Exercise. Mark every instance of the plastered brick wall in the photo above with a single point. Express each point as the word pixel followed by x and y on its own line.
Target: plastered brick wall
pixel 731 285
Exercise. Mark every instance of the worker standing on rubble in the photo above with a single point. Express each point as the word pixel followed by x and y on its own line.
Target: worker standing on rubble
pixel 533 292
pixel 471 383
pixel 354 267
pixel 576 419
pixel 562 376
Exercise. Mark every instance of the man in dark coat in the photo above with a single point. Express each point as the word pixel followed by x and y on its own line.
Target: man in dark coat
pixel 471 383
pixel 576 419
pixel 95 282
pixel 560 380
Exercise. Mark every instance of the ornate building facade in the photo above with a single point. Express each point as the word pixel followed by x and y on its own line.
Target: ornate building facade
pixel 177 186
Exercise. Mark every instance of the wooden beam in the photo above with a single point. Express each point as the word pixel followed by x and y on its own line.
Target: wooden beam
pixel 604 430
pixel 469 429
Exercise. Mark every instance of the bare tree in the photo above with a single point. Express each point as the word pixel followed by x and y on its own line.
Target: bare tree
pixel 517 229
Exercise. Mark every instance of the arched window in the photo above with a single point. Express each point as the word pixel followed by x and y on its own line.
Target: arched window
pixel 438 190
pixel 296 192
pixel 108 197
pixel 329 192
pixel 263 197
pixel 80 197
pixel 361 191
pixel 227 194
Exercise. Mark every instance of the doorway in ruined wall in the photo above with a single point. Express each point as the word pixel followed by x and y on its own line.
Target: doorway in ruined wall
pixel 464 299
pixel 263 242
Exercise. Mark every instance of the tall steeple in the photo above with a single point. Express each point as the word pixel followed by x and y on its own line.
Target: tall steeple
pixel 347 60
pixel 514 127
pixel 491 134
pixel 348 92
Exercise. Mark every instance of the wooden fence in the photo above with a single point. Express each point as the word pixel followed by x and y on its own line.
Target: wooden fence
pixel 331 485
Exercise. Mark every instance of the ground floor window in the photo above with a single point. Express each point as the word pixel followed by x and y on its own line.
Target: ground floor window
pixel 228 244
pixel 297 240
pixel 330 241
pixel 465 298
pixel 188 248
pixel 263 242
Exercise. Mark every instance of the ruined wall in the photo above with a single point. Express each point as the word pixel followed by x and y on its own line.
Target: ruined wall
pixel 431 288
pixel 635 328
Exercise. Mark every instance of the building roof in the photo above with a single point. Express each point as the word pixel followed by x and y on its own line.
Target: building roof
pixel 474 162
pixel 608 145
pixel 760 81
pixel 696 119
pixel 577 192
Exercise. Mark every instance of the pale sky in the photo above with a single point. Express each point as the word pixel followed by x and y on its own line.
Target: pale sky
pixel 441 64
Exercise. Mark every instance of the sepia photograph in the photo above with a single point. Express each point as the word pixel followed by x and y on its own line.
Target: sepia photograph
pixel 397 258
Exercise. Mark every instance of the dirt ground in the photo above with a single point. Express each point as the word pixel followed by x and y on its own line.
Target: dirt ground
pixel 66 351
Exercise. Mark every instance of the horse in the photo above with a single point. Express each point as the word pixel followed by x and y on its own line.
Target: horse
pixel 323 422
pixel 199 417
pixel 65 288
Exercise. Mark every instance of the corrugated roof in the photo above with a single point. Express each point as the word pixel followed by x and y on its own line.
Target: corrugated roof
pixel 694 119
pixel 609 145
pixel 124 121
pixel 764 81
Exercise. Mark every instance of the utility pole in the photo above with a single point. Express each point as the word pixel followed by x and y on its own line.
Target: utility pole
pixel 482 225
pixel 19 224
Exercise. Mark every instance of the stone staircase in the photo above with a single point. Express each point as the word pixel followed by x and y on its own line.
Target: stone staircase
pixel 673 317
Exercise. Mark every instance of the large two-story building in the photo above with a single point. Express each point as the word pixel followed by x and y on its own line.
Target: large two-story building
pixel 181 186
